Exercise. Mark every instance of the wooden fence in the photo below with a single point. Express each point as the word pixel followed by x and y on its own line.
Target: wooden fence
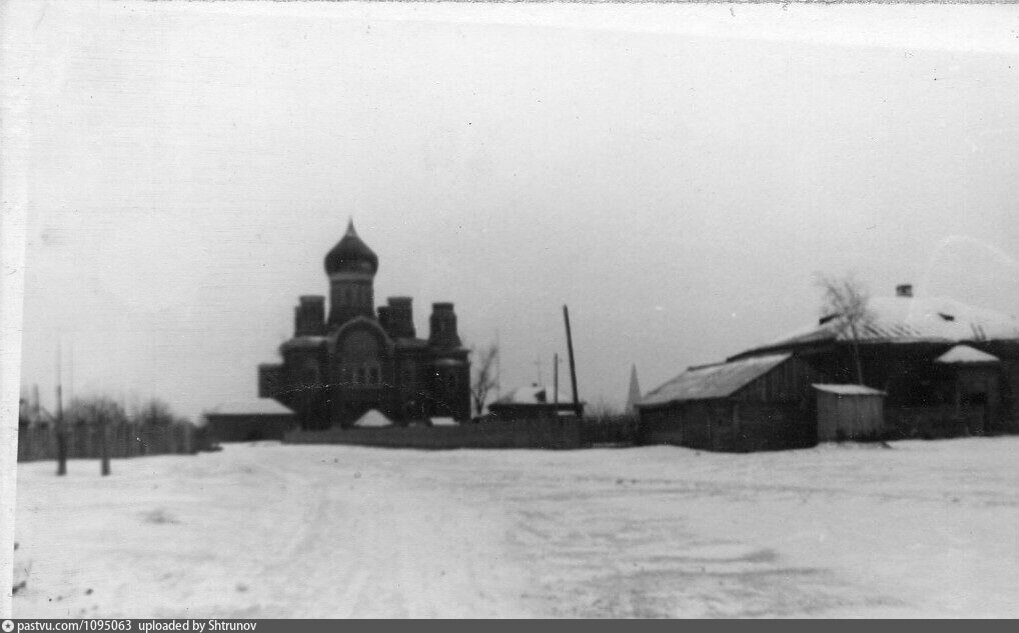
pixel 552 434
pixel 548 433
pixel 124 440
pixel 616 430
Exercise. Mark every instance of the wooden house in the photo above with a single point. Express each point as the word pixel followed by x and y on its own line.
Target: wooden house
pixel 758 403
pixel 947 368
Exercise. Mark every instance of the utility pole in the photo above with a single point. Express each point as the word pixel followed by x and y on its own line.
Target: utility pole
pixel 104 448
pixel 555 380
pixel 573 366
pixel 61 430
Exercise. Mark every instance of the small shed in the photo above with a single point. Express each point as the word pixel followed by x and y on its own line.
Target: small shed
pixel 757 403
pixel 247 421
pixel 849 412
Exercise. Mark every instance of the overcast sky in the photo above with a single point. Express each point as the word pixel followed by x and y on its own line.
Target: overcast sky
pixel 675 174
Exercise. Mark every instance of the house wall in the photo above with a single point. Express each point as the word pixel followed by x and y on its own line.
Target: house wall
pixel 768 426
pixel 249 427
pixel 729 425
pixel 661 425
pixel 931 422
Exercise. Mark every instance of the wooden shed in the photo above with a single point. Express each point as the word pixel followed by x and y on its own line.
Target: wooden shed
pixel 849 412
pixel 758 403
pixel 248 421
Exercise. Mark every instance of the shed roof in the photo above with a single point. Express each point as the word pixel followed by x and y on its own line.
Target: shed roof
pixel 535 394
pixel 964 354
pixel 713 381
pixel 849 390
pixel 909 320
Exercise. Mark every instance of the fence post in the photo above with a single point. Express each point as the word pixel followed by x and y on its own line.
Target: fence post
pixel 104 449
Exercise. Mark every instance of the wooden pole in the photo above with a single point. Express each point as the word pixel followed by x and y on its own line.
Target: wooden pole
pixel 555 379
pixel 104 449
pixel 61 436
pixel 573 367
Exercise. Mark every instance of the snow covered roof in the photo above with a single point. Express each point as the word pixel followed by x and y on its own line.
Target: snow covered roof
pixel 903 319
pixel 965 354
pixel 373 418
pixel 442 421
pixel 261 406
pixel 535 394
pixel 849 390
pixel 713 381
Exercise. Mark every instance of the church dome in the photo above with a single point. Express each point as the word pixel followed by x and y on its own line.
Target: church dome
pixel 351 254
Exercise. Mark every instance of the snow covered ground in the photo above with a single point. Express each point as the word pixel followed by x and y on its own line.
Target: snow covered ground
pixel 926 529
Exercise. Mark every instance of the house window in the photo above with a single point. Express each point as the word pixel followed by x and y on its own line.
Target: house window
pixel 373 375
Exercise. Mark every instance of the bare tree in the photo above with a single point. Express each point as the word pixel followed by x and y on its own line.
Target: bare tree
pixel 484 375
pixel 845 302
pixel 155 412
pixel 95 411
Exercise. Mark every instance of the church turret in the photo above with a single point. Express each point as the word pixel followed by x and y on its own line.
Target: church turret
pixel 351 267
pixel 310 316
pixel 443 326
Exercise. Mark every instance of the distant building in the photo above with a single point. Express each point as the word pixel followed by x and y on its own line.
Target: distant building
pixel 249 421
pixel 336 368
pixel 947 368
pixel 534 402
pixel 932 367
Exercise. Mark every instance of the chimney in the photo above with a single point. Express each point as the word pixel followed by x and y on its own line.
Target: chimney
pixel 904 290
pixel 309 316
pixel 400 318
pixel 443 326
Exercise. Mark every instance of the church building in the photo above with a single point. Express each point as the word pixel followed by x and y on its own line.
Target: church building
pixel 358 358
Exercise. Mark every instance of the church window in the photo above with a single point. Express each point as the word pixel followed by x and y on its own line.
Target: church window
pixel 361 378
pixel 373 375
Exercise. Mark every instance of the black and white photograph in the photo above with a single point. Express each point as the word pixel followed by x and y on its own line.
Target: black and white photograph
pixel 445 310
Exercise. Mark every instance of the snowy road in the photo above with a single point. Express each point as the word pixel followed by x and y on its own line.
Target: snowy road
pixel 923 529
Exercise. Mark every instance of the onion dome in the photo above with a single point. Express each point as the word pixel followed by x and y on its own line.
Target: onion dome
pixel 351 254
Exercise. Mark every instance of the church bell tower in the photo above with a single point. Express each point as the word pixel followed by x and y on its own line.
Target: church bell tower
pixel 351 268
